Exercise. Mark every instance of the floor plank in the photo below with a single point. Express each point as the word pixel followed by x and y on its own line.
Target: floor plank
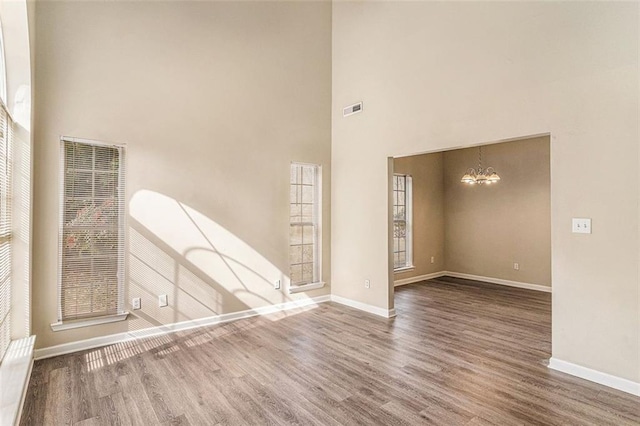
pixel 459 352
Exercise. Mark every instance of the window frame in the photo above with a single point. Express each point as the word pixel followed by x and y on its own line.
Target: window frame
pixel 408 221
pixel 121 314
pixel 317 281
pixel 6 219
pixel 3 69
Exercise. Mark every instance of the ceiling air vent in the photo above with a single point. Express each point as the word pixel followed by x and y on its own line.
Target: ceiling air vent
pixel 352 109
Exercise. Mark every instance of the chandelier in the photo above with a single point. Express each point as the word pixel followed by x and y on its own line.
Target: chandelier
pixel 481 176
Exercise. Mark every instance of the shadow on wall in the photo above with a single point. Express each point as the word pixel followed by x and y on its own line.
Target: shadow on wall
pixel 204 269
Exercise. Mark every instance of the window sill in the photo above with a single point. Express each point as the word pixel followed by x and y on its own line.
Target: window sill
pixel 88 322
pixel 404 269
pixel 15 372
pixel 305 287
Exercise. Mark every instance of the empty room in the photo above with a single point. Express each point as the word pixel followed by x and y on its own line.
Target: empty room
pixel 319 212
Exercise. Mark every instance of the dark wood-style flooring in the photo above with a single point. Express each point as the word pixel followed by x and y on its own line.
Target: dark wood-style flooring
pixel 459 353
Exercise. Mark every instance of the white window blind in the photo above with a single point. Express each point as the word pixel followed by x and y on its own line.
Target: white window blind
pixel 402 253
pixel 92 230
pixel 304 220
pixel 6 140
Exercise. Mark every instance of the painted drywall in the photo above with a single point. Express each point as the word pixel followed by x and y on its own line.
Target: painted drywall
pixel 488 228
pixel 213 101
pixel 428 212
pixel 440 75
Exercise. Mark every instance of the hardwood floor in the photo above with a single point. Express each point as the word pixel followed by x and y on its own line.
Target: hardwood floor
pixel 459 353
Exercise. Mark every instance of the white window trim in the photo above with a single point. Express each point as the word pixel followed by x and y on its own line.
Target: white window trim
pixel 15 372
pixel 318 283
pixel 408 199
pixel 87 322
pixel 8 136
pixel 404 269
pixel 305 287
pixel 121 315
pixel 3 69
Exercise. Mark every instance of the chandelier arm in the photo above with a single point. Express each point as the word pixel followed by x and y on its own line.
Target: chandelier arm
pixel 480 176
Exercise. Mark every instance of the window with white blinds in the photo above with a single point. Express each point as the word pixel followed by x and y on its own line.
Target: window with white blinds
pixel 6 137
pixel 304 221
pixel 91 230
pixel 402 232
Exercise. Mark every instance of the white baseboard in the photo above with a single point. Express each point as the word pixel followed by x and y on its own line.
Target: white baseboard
pixel 595 376
pixel 500 281
pixel 96 342
pixel 411 280
pixel 386 313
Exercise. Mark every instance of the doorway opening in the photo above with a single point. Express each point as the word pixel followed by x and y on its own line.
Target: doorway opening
pixel 494 228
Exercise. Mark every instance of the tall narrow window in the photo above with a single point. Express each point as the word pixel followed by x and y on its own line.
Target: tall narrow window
pixel 3 69
pixel 91 230
pixel 402 247
pixel 6 134
pixel 304 219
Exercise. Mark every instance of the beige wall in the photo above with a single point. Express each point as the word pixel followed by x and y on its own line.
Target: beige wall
pixel 491 227
pixel 428 212
pixel 440 75
pixel 214 100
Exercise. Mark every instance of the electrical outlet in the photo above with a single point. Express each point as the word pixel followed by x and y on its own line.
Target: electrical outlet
pixel 136 303
pixel 163 300
pixel 367 283
pixel 276 285
pixel 433 259
pixel 516 266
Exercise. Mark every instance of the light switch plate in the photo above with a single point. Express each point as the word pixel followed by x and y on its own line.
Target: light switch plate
pixel 581 225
